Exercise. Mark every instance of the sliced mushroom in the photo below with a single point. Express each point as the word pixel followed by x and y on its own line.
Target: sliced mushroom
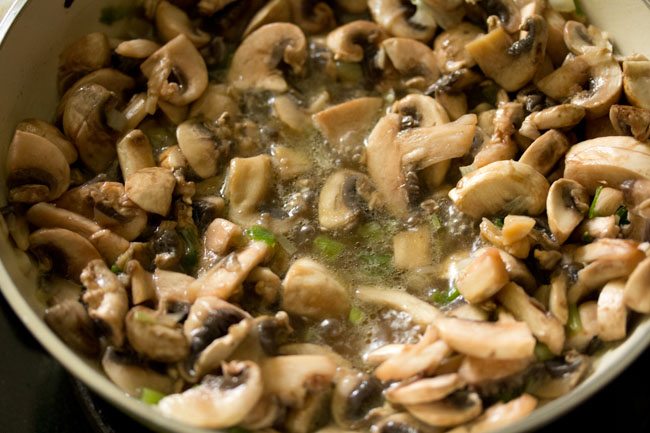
pixel 214 102
pixel 412 248
pixel 458 408
pixel 503 414
pixel 355 394
pixel 421 111
pixel 255 63
pixel 406 21
pixel 306 418
pixel 172 21
pixel 561 376
pixel 612 311
pixel 421 312
pixel 137 48
pixel 290 163
pixel 556 117
pixel 151 188
pixel 210 7
pixel 580 338
pixel 496 340
pixel 142 287
pixel 131 375
pixel 353 42
pixel 176 72
pixel 62 251
pixel 580 39
pixel 340 202
pixel 400 421
pixel 134 152
pixel 86 54
pixel 413 60
pixel 219 401
pixel 202 146
pixel 483 277
pixel 312 17
pixel 493 234
pixel 425 390
pixel 503 185
pixel 248 184
pixel 566 205
pixel 156 336
pixel 52 134
pixel 637 289
pixel 70 321
pixel 511 64
pixel 632 121
pixel 476 371
pixel 45 215
pixel 635 82
pixel 501 145
pixel 546 151
pixel 221 235
pixel 313 349
pixel 309 289
pixel 449 47
pixel 37 169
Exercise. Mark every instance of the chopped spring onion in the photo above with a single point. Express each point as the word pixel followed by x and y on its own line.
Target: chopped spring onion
pixel 621 213
pixel 192 244
pixel 371 231
pixel 356 316
pixel 498 221
pixel 328 248
pixel 444 297
pixel 260 233
pixel 574 323
pixel 592 208
pixel 115 269
pixel 151 396
pixel 435 222
pixel 542 352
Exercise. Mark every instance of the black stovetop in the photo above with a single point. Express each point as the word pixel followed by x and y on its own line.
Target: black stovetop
pixel 38 396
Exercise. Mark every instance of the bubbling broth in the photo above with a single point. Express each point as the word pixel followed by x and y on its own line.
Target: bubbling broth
pixel 340 216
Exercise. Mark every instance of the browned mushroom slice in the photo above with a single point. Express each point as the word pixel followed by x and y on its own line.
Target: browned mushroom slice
pixel 311 290
pixel 394 17
pixel 134 152
pixel 557 301
pixel 456 409
pixel 476 371
pixel 483 277
pixel 202 146
pixel 45 215
pixel 52 134
pixel 546 151
pixel 632 121
pixel 221 235
pixel 255 63
pixel 580 39
pixel 156 336
pixel 131 374
pixel 355 395
pixel 37 169
pixel 511 64
pixel 425 390
pixel 636 82
pixel 566 205
pixel 313 17
pixel 495 340
pixel 137 48
pixel 172 21
pixel 413 60
pixel 86 54
pixel 449 47
pixel 561 376
pixel 151 188
pixel 557 117
pixel 210 7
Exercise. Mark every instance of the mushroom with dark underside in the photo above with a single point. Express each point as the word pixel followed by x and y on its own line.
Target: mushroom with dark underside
pixel 343 198
pixel 567 204
pixel 132 375
pixel 155 335
pixel 202 145
pixel 458 408
pixel 171 21
pixel 633 121
pixel 636 82
pixel 355 394
pixel 403 19
pixel 51 133
pixel 563 375
pixel 546 151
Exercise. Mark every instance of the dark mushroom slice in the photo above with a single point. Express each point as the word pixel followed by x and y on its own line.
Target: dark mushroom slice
pixel 503 414
pixel 358 42
pixel 256 61
pixel 633 121
pixel 313 17
pixel 567 204
pixel 403 19
pixel 171 21
pixel 156 336
pixel 355 395
pixel 343 198
pixel 52 134
pixel 459 408
pixel 70 321
pixel 511 64
pixel 635 82
pixel 36 169
pixel 131 374
pixel 556 117
pixel 86 54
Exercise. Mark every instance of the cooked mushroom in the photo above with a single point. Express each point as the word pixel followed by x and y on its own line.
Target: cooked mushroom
pixel 483 277
pixel 501 145
pixel 86 54
pixel 580 39
pixel 637 290
pixel 202 146
pixel 562 376
pixel 493 234
pixel 214 102
pixel 151 188
pixel 172 21
pixel 413 60
pixel 275 11
pixel 131 375
pixel 290 163
pixel 309 289
pixel 45 215
pixel 458 408
pixel 412 248
pixel 478 371
pixel 70 320
pixel 633 121
pixel 404 20
pixel 566 205
pixel 420 311
pixel 255 63
pixel 503 414
pixel 312 17
pixel 137 48
pixel 545 151
pixel 503 185
pixel 36 169
pixel 219 401
pixel 156 336
pixel 449 47
pixel 210 7
pixel 248 183
pixel 342 198
pixel 421 111
pixel 221 235
pixel 425 390
pixel 511 64
pixel 556 117
pixel 52 134
pixel 355 41
pixel 355 394
pixel 134 152
pixel 557 302
pixel 612 311
pixel 635 82
pixel 310 415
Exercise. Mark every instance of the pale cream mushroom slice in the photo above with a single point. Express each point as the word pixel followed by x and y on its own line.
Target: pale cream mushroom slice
pixel 412 248
pixel 484 276
pixel 274 11
pixel 215 101
pixel 546 151
pixel 171 21
pixel 45 215
pixel 248 184
pixel 255 62
pixel 313 17
pixel 155 335
pixel 413 60
pixel 580 38
pixel 355 395
pixel 342 199
pixel 86 54
pixel 350 42
pixel 556 117
pixel 313 349
pixel 134 152
pixel 52 134
pixel 420 311
pixel 507 13
pixel 501 144
pixel 219 401
pixel 561 376
pixel 401 21
pixel 503 414
pixel 290 163
pixel 131 374
pixel 479 371
pixel 203 146
pixel 221 235
pixel 508 186
pixel 583 327
pixel 425 390
pixel 456 409
pixel 633 121
pixel 567 204
pixel 511 64
pixel 543 325
pixel 141 283
pixel 151 188
pixel 70 321
pixel 496 340
pixel 449 47
pixel 310 289
pixel 36 169
pixel 612 311
pixel 137 48
pixel 637 288
pixel 636 82
pixel 381 354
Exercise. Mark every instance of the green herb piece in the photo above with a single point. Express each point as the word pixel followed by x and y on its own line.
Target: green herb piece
pixel 111 14
pixel 371 231
pixel 592 208
pixel 115 269
pixel 444 297
pixel 574 323
pixel 621 213
pixel 151 396
pixel 435 223
pixel 328 248
pixel 498 221
pixel 542 352
pixel 192 245
pixel 142 317
pixel 356 316
pixel 261 233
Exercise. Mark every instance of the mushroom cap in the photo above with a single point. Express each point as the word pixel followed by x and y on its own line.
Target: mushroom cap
pixel 355 394
pixel 339 202
pixel 172 21
pixel 255 62
pixel 449 47
pixel 37 169
pixel 607 161
pixel 349 41
pixel 273 12
pixel 132 375
pixel 201 146
pixel 86 54
pixel 605 83
pixel 151 188
pixel 566 205
pixel 424 110
pixel 394 17
pixel 411 58
pixel 634 121
pixel 51 133
pixel 313 17
pixel 580 39
pixel 636 82
pixel 501 186
pixel 454 410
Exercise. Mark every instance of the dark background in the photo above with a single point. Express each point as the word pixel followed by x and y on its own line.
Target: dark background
pixel 38 396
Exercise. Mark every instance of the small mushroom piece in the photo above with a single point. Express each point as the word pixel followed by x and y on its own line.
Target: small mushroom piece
pixel 557 302
pixel 137 48
pixel 580 338
pixel 544 326
pixel 62 251
pixel 52 134
pixel 219 401
pixel 421 111
pixel 425 390
pixel 221 235
pixel 608 161
pixel 566 80
pixel 290 378
pixel 511 64
pixel 633 121
pixel 87 54
pixel 483 277
pixel 202 146
pixel 412 248
pixel 556 117
pixel 495 340
pixel 355 395
pixel 493 234
pixel 562 376
pixel 248 183
pixel 134 152
pixel 546 151
pixel 313 349
pixel 131 375
pixel 636 80
pixel 70 321
pixel 214 102
pixel 416 22
pixel 600 227
pixel 412 60
pixel 566 205
pixel 312 17
pixel 156 336
pixel 612 311
pixel 255 62
pixel 306 418
pixel 142 287
pixel 290 163
pixel 512 186
pixel 458 408
pixel 501 146
pixel 449 47
pixel 478 371
pixel 172 21
pixel 352 42
pixel 503 414
pixel 420 311
pixel 36 169
pixel 381 354
pixel 311 290
pixel 580 39
pixel 176 74
pixel 275 11
pixel 340 202
pixel 605 84
pixel 151 189
pixel 45 215
pixel 637 288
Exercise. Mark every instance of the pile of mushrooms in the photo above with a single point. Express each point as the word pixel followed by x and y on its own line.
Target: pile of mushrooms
pixel 504 127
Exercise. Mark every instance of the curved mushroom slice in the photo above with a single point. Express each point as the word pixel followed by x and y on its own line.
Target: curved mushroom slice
pixel 221 235
pixel 255 63
pixel 608 161
pixel 425 390
pixel 355 395
pixel 497 340
pixel 606 84
pixel 202 145
pixel 511 64
pixel 131 375
pixel 556 117
pixel 312 17
pixel 341 198
pixel 561 376
pixel 422 111
pixel 420 358
pixel 151 188
pixel 412 248
pixel 501 145
pixel 36 169
pixel 176 72
pixel 62 251
pixel 544 326
pixel 309 416
pixel 400 421
pixel 503 414
pixel 636 82
pixel 134 152
pixel 567 204
pixel 350 41
pixel 211 7
pixel 291 377
pixel 141 282
pixel 248 184
pixel 396 18
pixel 490 232
pixel 311 290
pixel 637 288
pixel 632 121
pixel 566 80
pixel 70 321
pixel 546 151
pixel 476 371
pixel 483 277
pixel 171 21
pixel 612 311
pixel 377 356
pixel 215 101
pixel 512 186
pixel 45 215
pixel 52 134
pixel 137 48
pixel 518 271
pixel 413 60
pixel 421 312
pixel 274 11
pixel 580 39
pixel 290 163
pixel 106 299
pixel 449 47
pixel 156 336
pixel 313 349
pixel 458 408
pixel 219 401
pixel 86 54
